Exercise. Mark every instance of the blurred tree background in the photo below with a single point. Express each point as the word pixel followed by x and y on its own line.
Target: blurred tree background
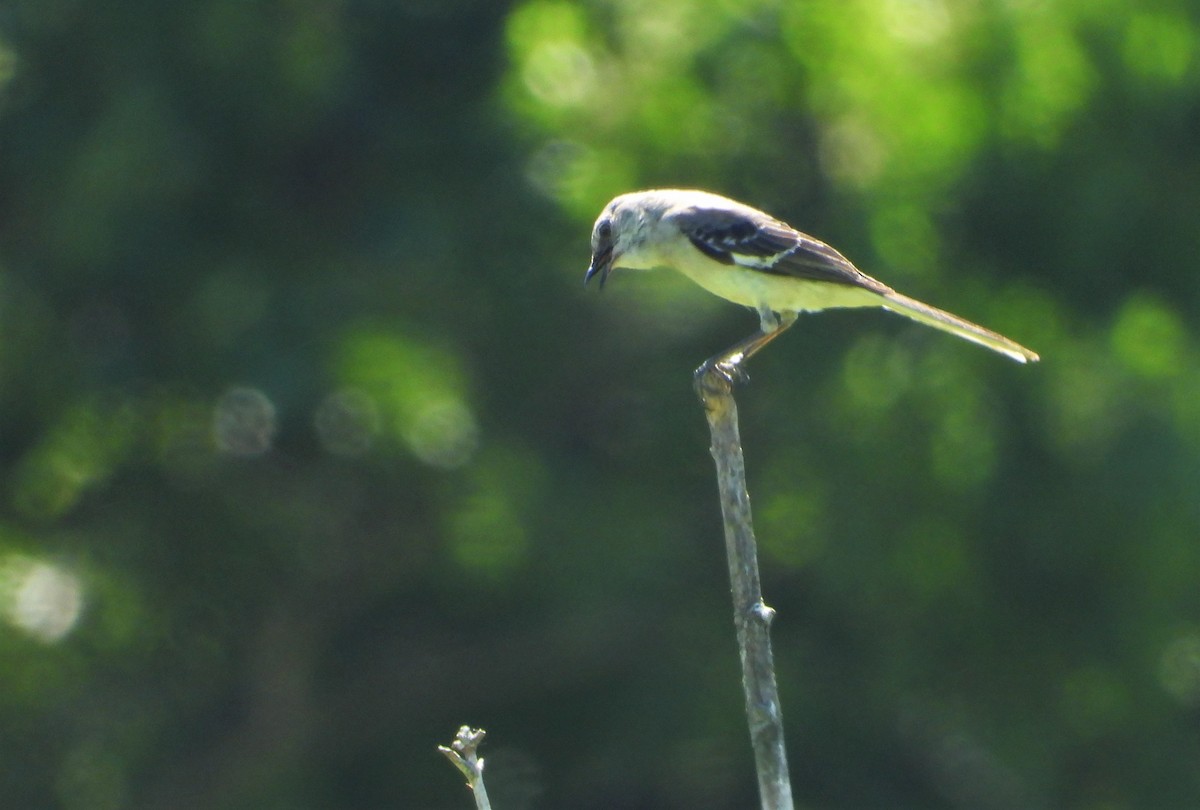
pixel 314 447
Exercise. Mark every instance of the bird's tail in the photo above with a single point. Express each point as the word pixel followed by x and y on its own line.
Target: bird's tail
pixel 940 319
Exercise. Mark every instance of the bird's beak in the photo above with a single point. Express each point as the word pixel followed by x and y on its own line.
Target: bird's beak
pixel 602 264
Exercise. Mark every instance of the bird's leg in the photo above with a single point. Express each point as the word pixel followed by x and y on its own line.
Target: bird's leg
pixel 728 363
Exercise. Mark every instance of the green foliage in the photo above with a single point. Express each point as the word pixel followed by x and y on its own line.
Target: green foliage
pixel 314 448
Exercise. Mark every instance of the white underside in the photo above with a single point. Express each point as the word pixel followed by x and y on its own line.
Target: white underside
pixel 754 288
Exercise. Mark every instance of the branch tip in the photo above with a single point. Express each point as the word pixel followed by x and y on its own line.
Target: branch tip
pixel 463 753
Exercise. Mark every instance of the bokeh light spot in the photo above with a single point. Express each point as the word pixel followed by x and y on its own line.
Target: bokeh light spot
pixel 1159 46
pixel 793 524
pixel 1085 405
pixel 964 446
pixel 244 422
pixel 577 176
pixel 905 237
pixel 40 599
pixel 1053 78
pixel 1179 669
pixel 1149 338
pixel 556 166
pixel 547 40
pixel 852 153
pixel 486 534
pixel 443 434
pixel 876 373
pixel 559 73
pixel 487 529
pixel 917 22
pixel 80 451
pixel 419 390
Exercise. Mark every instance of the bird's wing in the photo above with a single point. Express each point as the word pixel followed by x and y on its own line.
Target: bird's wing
pixel 767 245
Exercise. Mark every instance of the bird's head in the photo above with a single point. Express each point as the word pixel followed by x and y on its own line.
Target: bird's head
pixel 620 234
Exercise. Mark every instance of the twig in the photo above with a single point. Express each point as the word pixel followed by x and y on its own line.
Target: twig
pixel 463 753
pixel 751 616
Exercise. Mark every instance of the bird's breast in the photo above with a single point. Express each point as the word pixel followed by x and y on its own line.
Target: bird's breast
pixel 755 288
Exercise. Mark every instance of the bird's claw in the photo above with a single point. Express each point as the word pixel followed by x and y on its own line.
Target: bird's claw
pixel 726 367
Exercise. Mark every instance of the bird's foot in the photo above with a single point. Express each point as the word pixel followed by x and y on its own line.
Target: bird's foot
pixel 725 367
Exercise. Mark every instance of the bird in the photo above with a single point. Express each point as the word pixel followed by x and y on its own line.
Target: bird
pixel 751 258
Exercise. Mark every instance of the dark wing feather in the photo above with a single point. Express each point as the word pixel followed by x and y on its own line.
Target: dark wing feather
pixel 769 246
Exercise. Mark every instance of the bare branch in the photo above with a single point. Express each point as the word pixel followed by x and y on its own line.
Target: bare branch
pixel 751 616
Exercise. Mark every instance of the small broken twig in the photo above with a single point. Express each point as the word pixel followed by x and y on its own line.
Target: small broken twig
pixel 463 753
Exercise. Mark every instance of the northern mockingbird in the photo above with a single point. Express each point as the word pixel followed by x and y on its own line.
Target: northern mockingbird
pixel 751 258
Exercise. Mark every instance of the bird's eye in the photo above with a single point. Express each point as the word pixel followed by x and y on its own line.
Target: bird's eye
pixel 604 230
